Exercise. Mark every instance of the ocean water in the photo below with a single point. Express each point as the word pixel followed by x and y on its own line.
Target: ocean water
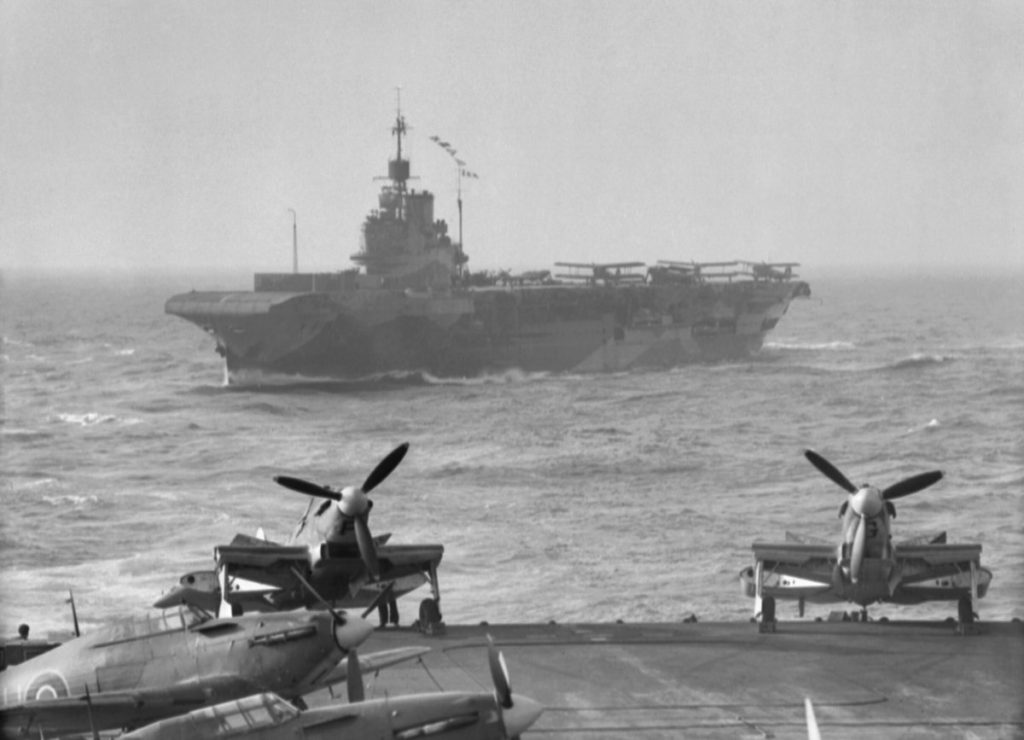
pixel 635 496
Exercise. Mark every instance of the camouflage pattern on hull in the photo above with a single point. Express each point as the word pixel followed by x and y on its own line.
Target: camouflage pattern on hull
pixel 355 334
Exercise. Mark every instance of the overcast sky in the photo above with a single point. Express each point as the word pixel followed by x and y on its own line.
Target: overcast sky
pixel 180 132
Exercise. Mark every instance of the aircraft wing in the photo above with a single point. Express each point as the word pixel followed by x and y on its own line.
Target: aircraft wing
pixel 113 709
pixel 937 571
pixel 799 554
pixel 263 562
pixel 371 663
pixel 926 562
pixel 795 569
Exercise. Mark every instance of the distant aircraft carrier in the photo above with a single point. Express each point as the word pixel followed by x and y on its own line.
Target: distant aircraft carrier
pixel 416 308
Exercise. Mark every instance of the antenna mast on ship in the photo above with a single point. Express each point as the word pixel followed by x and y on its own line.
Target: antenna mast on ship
pixel 398 168
pixel 460 169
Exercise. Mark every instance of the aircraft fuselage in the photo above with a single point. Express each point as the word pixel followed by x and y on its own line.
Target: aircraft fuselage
pixel 180 665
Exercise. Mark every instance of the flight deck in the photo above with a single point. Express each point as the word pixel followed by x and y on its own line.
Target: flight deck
pixel 729 680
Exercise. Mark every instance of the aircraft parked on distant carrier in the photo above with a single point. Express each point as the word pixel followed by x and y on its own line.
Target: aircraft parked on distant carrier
pixel 449 714
pixel 866 567
pixel 342 563
pixel 140 670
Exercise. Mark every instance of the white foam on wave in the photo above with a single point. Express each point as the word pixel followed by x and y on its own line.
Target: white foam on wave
pixel 812 346
pixel 34 484
pixel 94 418
pixel 930 426
pixel 512 375
pixel 74 499
pixel 87 419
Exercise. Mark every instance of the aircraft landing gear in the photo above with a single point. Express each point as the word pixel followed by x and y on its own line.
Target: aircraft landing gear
pixel 965 616
pixel 767 623
pixel 430 622
pixel 430 617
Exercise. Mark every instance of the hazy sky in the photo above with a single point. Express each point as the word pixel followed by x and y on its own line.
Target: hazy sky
pixel 156 133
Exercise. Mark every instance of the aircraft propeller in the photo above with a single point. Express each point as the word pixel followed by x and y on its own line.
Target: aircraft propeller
pixel 868 502
pixel 519 715
pixel 341 638
pixel 354 679
pixel 352 502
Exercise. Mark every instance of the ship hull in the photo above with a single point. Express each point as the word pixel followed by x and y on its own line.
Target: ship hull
pixel 360 333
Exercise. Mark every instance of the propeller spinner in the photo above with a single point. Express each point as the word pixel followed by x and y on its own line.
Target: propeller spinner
pixel 352 502
pixel 868 502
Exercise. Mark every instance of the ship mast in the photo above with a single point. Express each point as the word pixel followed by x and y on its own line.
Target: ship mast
pixel 398 168
pixel 295 241
pixel 460 169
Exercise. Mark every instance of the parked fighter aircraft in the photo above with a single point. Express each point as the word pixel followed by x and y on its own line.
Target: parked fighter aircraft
pixel 470 716
pixel 345 564
pixel 608 273
pixel 866 567
pixel 140 670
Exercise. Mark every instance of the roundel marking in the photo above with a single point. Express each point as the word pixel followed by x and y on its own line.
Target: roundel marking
pixel 47 685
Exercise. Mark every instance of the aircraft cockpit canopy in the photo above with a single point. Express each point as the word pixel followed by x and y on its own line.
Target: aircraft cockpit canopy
pixel 248 715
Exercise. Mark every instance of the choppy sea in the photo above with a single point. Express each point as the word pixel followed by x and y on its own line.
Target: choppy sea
pixel 635 496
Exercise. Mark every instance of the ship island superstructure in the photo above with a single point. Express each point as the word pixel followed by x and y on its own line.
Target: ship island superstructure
pixel 411 305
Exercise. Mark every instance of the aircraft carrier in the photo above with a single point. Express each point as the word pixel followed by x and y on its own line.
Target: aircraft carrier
pixel 730 680
pixel 412 305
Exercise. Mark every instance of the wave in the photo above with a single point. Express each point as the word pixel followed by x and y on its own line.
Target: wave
pixel 918 360
pixel 505 377
pixel 929 426
pixel 837 345
pixel 94 418
pixel 23 435
pixel 88 419
pixel 74 499
pixel 29 485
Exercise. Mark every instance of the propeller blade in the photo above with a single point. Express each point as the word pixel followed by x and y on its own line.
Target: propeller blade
pixel 829 471
pixel 304 486
pixel 302 522
pixel 912 485
pixel 385 593
pixel 338 616
pixel 366 547
pixel 857 553
pixel 385 467
pixel 74 612
pixel 499 674
pixel 354 679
